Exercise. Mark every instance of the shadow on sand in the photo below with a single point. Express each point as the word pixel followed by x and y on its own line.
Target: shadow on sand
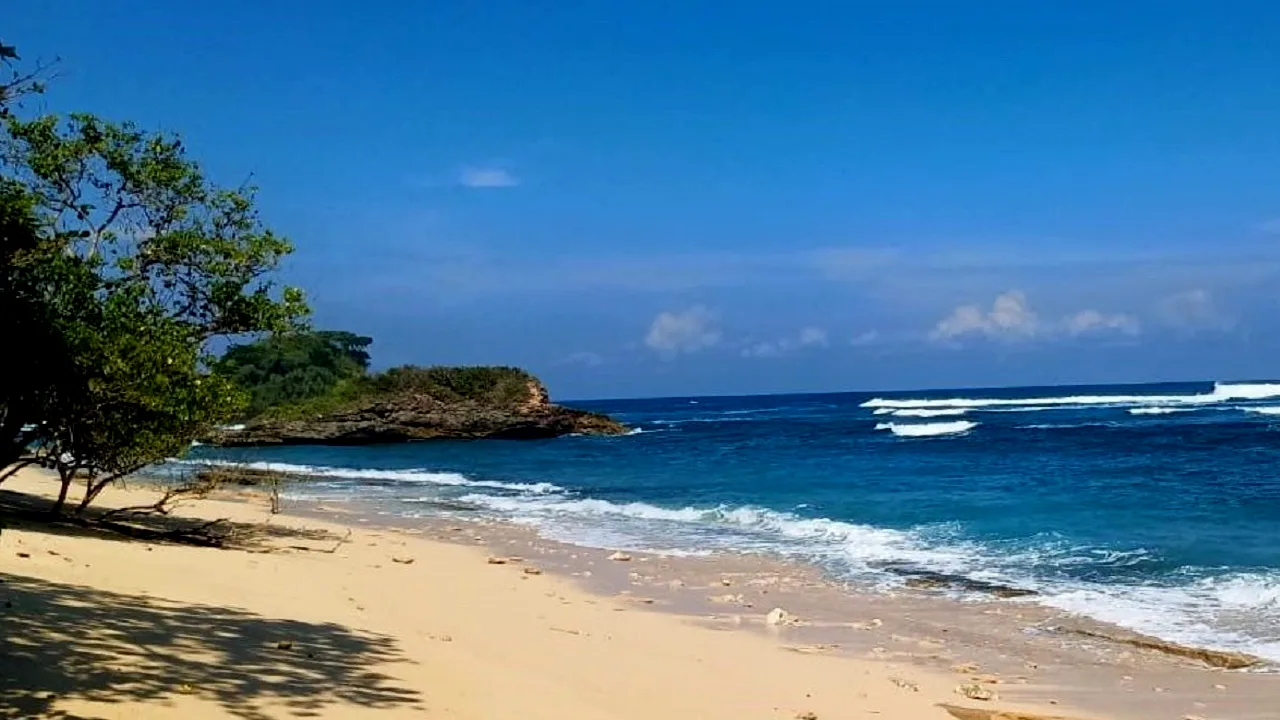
pixel 21 510
pixel 72 642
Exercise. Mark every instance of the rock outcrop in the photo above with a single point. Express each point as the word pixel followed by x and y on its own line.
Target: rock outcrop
pixel 1213 658
pixel 418 416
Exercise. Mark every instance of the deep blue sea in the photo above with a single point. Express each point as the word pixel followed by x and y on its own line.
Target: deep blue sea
pixel 1156 507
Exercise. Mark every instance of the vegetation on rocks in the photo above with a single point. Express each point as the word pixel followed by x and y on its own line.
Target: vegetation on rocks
pixel 314 387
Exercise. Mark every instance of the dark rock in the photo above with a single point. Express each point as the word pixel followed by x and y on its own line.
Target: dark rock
pixel 921 579
pixel 413 416
pixel 1213 658
pixel 234 475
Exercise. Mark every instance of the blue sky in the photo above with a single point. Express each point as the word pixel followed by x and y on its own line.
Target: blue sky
pixel 689 198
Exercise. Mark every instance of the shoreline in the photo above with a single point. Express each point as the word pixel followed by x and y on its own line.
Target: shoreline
pixel 1027 652
pixel 906 647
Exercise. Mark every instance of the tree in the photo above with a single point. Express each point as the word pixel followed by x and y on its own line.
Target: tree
pixel 29 303
pixel 122 265
pixel 290 367
pixel 16 81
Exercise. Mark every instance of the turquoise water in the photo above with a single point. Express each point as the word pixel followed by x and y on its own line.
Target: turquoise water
pixel 1156 507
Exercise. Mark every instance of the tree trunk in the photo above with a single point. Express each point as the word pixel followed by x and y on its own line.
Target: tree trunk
pixel 91 492
pixel 66 478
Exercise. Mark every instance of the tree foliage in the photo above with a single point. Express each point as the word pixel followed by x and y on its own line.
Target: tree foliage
pixel 120 264
pixel 307 374
pixel 495 386
pixel 17 80
pixel 292 367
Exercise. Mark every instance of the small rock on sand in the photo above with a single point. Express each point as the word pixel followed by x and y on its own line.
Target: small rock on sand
pixel 968 668
pixel 905 684
pixel 620 557
pixel 285 645
pixel 23 555
pixel 532 571
pixel 974 691
pixel 402 560
pixel 497 560
pixel 807 716
pixel 778 616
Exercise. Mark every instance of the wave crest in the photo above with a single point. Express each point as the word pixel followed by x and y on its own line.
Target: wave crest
pixel 1222 392
pixel 928 412
pixel 954 427
pixel 414 475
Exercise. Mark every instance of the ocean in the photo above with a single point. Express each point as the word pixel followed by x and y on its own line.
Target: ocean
pixel 1154 507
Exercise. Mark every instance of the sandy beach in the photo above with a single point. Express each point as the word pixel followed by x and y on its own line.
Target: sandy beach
pixel 317 618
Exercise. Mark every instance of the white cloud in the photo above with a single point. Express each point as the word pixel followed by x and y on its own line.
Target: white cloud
pixel 1088 322
pixel 807 337
pixel 589 359
pixel 763 350
pixel 487 177
pixel 688 331
pixel 1194 311
pixel 1012 318
pixel 870 337
pixel 813 337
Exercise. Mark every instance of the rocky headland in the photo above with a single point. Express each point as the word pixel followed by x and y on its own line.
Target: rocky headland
pixel 420 411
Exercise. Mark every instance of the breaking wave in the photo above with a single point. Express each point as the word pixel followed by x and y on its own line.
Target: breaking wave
pixel 638 525
pixel 1222 392
pixel 926 412
pixel 1158 410
pixel 403 476
pixel 954 427
pixel 1196 613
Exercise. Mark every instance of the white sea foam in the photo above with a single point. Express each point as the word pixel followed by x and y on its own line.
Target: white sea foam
pixel 928 429
pixel 644 526
pixel 1233 612
pixel 926 412
pixel 1222 392
pixel 883 411
pixel 1271 410
pixel 408 476
pixel 1158 410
